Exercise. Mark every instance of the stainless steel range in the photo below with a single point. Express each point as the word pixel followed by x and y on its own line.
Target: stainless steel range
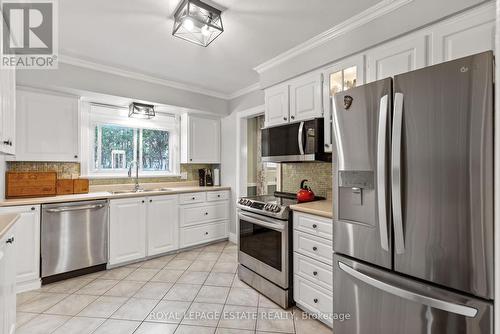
pixel 265 245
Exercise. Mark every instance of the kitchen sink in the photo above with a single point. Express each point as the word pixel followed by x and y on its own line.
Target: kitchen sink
pixel 132 191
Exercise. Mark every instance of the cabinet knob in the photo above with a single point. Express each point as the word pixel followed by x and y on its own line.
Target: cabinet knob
pixel 292 117
pixel 150 201
pixel 284 118
pixel 315 300
pixel 206 213
pixel 218 196
pixel 193 198
pixel 206 233
pixel 10 240
pixel 315 273
pixel 6 142
pixel 76 156
pixel 315 226
pixel 33 208
pixel 315 248
pixel 190 159
pixel 142 201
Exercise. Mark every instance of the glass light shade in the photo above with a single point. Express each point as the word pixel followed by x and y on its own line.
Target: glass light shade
pixel 197 22
pixel 141 110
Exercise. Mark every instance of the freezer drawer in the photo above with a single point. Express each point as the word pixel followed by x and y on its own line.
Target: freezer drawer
pixel 381 302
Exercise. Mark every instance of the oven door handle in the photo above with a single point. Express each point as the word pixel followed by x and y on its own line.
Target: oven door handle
pixel 262 222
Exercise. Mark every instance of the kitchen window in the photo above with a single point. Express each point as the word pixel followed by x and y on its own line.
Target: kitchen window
pixel 117 140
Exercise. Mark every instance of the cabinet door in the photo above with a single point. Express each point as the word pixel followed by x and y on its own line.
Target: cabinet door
pixel 204 140
pixel 305 98
pixel 7 110
pixel 163 224
pixel 277 105
pixel 47 127
pixel 127 230
pixel 27 245
pixel 465 35
pixel 10 281
pixel 403 55
pixel 3 284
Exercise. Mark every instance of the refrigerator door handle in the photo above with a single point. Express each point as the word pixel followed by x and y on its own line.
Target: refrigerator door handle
pixel 409 295
pixel 381 173
pixel 397 129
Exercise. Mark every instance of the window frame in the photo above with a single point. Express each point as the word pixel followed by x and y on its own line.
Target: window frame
pixel 96 114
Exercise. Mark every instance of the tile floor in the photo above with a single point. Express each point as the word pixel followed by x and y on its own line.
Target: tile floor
pixel 196 291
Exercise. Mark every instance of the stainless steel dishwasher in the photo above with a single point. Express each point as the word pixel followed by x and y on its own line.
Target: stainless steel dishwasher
pixel 74 239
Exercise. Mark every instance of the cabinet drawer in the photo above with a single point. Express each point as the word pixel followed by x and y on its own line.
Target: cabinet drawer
pixel 318 226
pixel 313 298
pixel 203 213
pixel 217 195
pixel 192 198
pixel 313 270
pixel 315 247
pixel 195 235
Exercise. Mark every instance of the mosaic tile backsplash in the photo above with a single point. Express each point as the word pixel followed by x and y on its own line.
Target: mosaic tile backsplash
pixel 319 175
pixel 68 170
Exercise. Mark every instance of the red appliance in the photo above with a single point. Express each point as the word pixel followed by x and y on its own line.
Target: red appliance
pixel 305 194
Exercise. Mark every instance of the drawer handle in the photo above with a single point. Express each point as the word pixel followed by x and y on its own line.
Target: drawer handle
pixel 315 300
pixel 315 248
pixel 10 240
pixel 315 273
pixel 315 226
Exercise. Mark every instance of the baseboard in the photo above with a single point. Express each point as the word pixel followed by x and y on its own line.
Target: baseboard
pixel 233 238
pixel 28 286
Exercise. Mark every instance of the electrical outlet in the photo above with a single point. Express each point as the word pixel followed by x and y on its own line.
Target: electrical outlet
pixel 184 176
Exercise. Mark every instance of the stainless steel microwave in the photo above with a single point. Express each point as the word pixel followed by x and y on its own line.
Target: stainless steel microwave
pixel 295 142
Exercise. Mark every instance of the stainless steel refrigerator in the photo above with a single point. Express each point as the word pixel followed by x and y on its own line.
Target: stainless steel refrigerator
pixel 413 202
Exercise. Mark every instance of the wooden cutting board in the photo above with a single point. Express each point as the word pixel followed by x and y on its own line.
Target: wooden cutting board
pixel 64 186
pixel 80 186
pixel 30 184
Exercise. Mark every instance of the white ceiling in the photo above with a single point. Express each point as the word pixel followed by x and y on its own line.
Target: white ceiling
pixel 136 35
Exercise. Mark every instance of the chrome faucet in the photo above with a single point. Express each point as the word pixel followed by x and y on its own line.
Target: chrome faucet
pixel 137 187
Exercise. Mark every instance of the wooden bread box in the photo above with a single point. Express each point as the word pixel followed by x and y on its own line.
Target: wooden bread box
pixel 30 184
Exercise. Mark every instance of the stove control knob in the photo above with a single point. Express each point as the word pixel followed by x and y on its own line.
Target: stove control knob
pixel 277 209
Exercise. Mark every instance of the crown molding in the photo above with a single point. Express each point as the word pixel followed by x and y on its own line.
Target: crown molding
pixel 139 76
pixel 245 90
pixel 380 9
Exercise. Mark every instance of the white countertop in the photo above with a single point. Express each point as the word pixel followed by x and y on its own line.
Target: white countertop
pixel 107 195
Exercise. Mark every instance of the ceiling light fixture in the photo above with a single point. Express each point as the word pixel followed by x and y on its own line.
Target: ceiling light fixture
pixel 197 22
pixel 141 110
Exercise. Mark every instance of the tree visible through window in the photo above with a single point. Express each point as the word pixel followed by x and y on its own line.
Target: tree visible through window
pixel 115 148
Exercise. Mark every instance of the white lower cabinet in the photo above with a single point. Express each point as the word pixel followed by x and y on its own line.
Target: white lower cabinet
pixel 27 246
pixel 204 222
pixel 143 227
pixel 127 230
pixel 312 265
pixel 162 224
pixel 8 282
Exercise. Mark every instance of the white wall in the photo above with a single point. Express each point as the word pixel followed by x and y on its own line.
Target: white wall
pixel 413 14
pixel 84 79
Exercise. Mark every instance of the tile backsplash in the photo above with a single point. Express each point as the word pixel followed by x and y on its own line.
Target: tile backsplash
pixel 68 170
pixel 319 175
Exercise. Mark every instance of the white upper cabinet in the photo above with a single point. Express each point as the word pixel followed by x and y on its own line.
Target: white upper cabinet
pixel 7 110
pixel 162 224
pixel 277 105
pixel 464 35
pixel 305 98
pixel 200 140
pixel 402 55
pixel 47 126
pixel 127 230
